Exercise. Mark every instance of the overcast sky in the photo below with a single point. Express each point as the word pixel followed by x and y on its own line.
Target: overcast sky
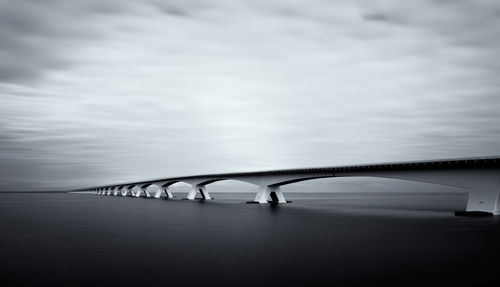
pixel 95 92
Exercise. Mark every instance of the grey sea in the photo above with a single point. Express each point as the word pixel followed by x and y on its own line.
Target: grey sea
pixel 63 239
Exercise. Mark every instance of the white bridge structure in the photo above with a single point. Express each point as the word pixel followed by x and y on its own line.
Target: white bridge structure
pixel 479 176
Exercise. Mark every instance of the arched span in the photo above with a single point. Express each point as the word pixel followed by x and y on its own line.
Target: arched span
pixel 210 181
pixel 269 185
pixel 483 185
pixel 168 184
pixel 262 181
pixel 164 187
pixel 300 179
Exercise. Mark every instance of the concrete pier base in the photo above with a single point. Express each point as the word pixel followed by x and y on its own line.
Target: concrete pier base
pixel 269 194
pixel 202 190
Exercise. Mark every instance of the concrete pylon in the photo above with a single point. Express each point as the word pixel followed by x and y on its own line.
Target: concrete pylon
pixel 143 189
pixel 270 194
pixel 201 189
pixel 129 189
pixel 165 189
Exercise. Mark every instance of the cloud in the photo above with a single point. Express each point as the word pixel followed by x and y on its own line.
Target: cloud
pixel 111 91
pixel 178 8
pixel 35 35
pixel 375 17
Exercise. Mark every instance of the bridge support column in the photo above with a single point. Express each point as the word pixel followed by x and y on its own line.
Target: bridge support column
pixel 192 194
pixel 141 190
pixel 269 194
pixel 130 190
pixel 127 191
pixel 204 193
pixel 166 190
pixel 201 189
pixel 158 193
pixel 483 200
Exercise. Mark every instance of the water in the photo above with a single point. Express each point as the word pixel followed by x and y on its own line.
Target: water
pixel 319 239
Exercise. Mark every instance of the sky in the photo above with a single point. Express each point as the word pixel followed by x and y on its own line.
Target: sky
pixel 96 92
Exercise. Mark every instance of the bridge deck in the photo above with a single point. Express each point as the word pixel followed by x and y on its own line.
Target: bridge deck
pixel 462 163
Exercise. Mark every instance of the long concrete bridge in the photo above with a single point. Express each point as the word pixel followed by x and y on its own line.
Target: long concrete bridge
pixel 480 176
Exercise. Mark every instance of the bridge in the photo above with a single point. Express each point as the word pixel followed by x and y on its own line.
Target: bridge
pixel 479 176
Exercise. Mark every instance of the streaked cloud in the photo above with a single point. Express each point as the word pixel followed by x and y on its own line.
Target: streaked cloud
pixel 94 92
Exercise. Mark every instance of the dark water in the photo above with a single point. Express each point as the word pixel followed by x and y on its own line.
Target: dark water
pixel 319 239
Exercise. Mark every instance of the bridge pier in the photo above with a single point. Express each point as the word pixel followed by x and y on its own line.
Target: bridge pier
pixel 269 194
pixel 482 200
pixel 158 193
pixel 201 189
pixel 129 190
pixel 141 190
pixel 166 190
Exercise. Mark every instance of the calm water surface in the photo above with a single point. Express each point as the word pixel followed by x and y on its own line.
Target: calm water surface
pixel 319 239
